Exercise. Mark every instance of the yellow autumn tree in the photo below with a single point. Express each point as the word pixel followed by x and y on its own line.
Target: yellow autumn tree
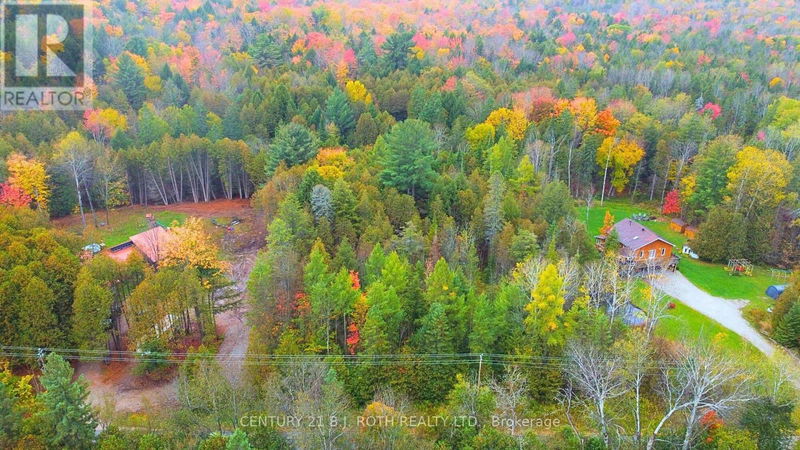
pixel 585 112
pixel 29 175
pixel 357 92
pixel 619 156
pixel 608 223
pixel 192 245
pixel 758 179
pixel 515 122
pixel 546 308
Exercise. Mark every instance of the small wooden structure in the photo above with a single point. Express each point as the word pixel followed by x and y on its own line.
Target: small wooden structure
pixel 739 266
pixel 677 225
pixel 690 231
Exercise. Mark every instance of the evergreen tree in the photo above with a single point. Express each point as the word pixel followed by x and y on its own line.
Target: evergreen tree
pixel 397 49
pixel 408 158
pixel 345 256
pixel 91 313
pixel 67 416
pixel 10 416
pixel 231 123
pixel 788 331
pixel 366 130
pixel 317 280
pixel 130 79
pixel 238 441
pixel 266 52
pixel 770 422
pixel 556 203
pixel 366 55
pixel 384 318
pixel 493 209
pixel 279 109
pixel 339 112
pixel 321 202
pixel 434 337
pixel 374 264
pixel 293 144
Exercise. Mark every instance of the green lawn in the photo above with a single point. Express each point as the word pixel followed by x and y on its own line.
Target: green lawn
pixel 125 226
pixel 620 209
pixel 684 323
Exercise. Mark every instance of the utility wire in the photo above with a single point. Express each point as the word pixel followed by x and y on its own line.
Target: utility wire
pixel 425 359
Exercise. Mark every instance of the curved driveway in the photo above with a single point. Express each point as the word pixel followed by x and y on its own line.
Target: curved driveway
pixel 721 310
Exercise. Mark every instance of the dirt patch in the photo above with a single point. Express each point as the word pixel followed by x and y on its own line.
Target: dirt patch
pixel 129 393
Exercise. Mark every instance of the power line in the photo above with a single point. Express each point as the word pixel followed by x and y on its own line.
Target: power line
pixel 254 359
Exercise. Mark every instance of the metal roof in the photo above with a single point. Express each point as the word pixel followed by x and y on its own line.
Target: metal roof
pixel 634 235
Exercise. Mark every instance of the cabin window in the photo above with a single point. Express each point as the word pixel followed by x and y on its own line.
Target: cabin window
pixel 641 254
pixel 663 251
pixel 652 254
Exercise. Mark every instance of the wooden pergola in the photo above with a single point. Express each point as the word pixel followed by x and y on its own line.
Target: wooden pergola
pixel 740 266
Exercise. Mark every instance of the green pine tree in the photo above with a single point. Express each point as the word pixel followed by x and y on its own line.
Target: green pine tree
pixel 374 265
pixel 67 416
pixel 788 331
pixel 9 416
pixel 408 157
pixel 91 313
pixel 130 79
pixel 339 112
pixel 293 144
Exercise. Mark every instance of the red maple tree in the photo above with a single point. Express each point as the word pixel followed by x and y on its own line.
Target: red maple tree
pixel 11 195
pixel 672 203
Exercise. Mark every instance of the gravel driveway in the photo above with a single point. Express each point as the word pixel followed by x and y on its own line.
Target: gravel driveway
pixel 725 312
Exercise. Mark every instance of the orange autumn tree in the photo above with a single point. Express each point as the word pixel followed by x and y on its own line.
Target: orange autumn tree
pixel 608 223
pixel 605 123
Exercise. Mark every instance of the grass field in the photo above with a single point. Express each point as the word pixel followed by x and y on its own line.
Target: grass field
pixel 684 323
pixel 125 224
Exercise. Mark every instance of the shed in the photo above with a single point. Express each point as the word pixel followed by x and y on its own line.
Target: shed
pixel 677 225
pixel 690 232
pixel 775 290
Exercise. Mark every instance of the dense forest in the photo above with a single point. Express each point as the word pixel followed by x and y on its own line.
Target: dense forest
pixel 424 172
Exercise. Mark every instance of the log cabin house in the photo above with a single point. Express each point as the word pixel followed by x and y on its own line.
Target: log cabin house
pixel 641 247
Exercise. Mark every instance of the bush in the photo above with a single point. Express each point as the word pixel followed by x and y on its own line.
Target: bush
pixel 153 359
pixel 722 236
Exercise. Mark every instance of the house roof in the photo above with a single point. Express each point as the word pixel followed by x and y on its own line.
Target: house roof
pixel 633 235
pixel 152 243
pixel 677 221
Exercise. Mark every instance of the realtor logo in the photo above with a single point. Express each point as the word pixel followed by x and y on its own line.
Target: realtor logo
pixel 46 54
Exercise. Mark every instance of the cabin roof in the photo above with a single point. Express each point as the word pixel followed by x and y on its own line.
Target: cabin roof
pixel 152 243
pixel 634 235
